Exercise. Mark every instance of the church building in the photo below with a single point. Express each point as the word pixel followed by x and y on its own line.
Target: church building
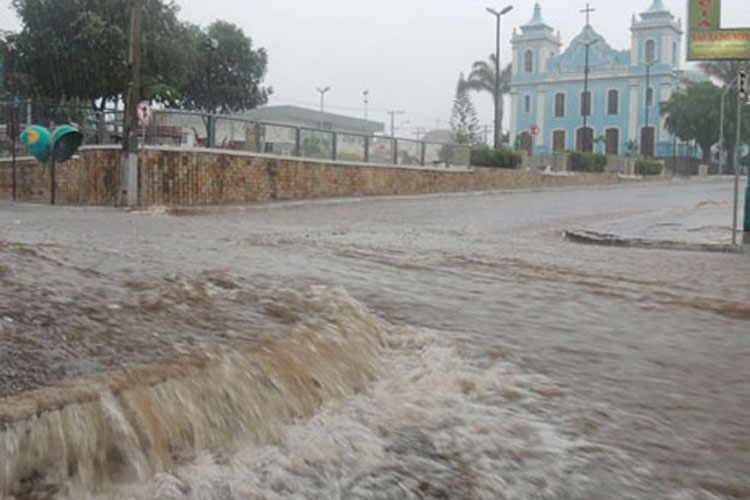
pixel 554 107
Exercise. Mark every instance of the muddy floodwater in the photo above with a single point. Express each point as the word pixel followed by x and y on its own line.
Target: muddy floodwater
pixel 449 346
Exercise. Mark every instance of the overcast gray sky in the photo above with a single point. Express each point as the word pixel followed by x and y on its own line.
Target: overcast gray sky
pixel 408 53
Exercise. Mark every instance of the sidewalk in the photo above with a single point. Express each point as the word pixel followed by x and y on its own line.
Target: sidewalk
pixel 706 226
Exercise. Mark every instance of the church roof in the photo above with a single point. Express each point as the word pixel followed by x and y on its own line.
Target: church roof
pixel 601 54
pixel 656 7
pixel 536 24
pixel 657 13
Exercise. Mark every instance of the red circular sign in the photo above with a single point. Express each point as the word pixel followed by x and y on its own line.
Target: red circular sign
pixel 534 130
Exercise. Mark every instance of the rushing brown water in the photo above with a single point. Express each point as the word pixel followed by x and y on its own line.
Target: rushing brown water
pixel 444 347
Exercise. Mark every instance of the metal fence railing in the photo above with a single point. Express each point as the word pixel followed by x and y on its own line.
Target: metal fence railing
pixel 190 130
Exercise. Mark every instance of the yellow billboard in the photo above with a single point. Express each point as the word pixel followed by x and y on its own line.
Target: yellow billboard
pixel 727 44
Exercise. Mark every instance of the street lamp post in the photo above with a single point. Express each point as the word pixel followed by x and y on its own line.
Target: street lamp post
pixel 586 105
pixel 212 45
pixel 649 64
pixel 323 92
pixel 498 125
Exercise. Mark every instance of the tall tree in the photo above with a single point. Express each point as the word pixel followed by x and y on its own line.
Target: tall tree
pixel 464 121
pixel 693 114
pixel 76 50
pixel 482 79
pixel 228 78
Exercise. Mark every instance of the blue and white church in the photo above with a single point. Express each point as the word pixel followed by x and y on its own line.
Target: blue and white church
pixel 620 109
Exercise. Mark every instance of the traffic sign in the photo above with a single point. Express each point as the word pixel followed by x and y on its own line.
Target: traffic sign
pixel 534 130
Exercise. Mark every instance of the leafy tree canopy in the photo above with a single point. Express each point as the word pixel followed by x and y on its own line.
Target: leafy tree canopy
pixel 76 51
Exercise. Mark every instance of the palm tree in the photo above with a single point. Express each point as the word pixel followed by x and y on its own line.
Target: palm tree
pixel 724 71
pixel 482 79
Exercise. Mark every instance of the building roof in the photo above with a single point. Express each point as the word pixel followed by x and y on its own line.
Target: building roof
pixel 292 113
pixel 536 24
pixel 601 54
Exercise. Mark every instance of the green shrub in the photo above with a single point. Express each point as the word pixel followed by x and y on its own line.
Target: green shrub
pixel 647 167
pixel 495 158
pixel 586 162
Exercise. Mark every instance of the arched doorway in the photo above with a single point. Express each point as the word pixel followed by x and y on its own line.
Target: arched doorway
pixel 612 136
pixel 585 139
pixel 647 141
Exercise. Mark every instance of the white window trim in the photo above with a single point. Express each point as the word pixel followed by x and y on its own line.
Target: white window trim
pixel 619 101
pixel 565 105
pixel 645 51
pixel 527 72
pixel 592 106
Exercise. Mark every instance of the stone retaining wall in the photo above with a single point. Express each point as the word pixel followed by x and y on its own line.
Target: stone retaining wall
pixel 194 178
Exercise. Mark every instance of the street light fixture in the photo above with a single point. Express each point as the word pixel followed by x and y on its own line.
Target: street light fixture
pixel 498 125
pixel 323 97
pixel 366 95
pixel 649 102
pixel 586 106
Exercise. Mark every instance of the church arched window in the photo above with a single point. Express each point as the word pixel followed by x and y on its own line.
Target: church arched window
pixel 528 62
pixel 650 51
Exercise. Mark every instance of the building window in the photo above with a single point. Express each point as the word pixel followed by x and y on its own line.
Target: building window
pixel 527 104
pixel 650 97
pixel 559 105
pixel 613 102
pixel 674 53
pixel 586 103
pixel 558 140
pixel 613 141
pixel 528 62
pixel 650 51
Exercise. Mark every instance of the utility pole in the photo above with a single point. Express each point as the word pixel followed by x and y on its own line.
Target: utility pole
pixel 212 45
pixel 586 99
pixel 737 146
pixel 649 64
pixel 393 121
pixel 129 162
pixel 496 93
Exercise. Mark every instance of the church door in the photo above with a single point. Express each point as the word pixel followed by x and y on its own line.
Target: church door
pixel 558 141
pixel 647 141
pixel 585 139
pixel 613 141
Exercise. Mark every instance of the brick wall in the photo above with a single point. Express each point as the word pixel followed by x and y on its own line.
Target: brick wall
pixel 192 178
pixel 90 178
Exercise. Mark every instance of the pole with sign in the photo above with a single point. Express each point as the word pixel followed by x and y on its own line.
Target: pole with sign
pixel 707 41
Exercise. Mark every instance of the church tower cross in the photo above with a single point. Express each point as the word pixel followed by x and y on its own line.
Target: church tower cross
pixel 588 10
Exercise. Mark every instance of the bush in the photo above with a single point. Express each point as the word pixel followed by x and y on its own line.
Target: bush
pixel 586 162
pixel 646 167
pixel 495 158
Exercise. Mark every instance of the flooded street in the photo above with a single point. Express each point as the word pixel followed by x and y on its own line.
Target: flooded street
pixel 449 346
